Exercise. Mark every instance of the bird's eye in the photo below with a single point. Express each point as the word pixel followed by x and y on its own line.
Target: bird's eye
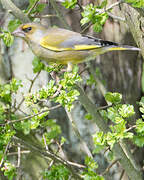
pixel 27 29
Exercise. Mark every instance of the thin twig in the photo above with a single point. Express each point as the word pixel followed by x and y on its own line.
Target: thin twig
pixel 132 127
pixel 77 133
pixel 46 146
pixel 19 105
pixel 30 88
pixel 19 156
pixel 107 149
pixel 48 154
pixel 76 164
pixel 2 160
pixel 88 26
pixel 103 107
pixel 31 116
pixel 44 16
pixel 61 150
pixel 15 153
pixel 57 92
pixel 34 5
pixel 108 168
pixel 116 17
pixel 85 69
pixel 122 174
pixel 113 5
pixel 59 14
pixel 33 80
pixel 79 5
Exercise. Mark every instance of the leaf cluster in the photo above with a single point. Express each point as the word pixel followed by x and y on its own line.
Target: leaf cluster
pixel 136 3
pixel 120 115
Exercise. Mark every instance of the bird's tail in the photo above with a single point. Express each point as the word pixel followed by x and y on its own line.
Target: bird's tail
pixel 120 48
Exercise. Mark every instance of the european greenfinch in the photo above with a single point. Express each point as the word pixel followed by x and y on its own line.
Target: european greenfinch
pixel 63 46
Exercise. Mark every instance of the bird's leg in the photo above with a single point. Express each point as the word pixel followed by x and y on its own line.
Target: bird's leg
pixel 69 67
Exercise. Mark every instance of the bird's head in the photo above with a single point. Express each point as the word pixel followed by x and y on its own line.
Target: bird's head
pixel 30 32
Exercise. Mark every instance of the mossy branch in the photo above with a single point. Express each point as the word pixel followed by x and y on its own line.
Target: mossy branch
pixel 136 25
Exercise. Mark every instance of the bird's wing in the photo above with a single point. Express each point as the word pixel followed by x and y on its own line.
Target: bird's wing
pixel 57 39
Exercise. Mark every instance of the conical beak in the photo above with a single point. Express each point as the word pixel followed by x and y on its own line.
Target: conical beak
pixel 19 33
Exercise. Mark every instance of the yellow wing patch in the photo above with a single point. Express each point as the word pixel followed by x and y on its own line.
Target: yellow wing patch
pixel 75 48
pixel 85 47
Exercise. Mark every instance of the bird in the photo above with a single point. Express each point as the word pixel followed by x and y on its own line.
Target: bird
pixel 62 46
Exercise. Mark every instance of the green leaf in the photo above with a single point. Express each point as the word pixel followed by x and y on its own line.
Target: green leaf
pixel 88 116
pixel 142 78
pixel 111 139
pixel 31 4
pixel 103 4
pixel 91 163
pixel 99 142
pixel 69 4
pixel 97 27
pixel 104 114
pixel 34 122
pixel 13 24
pixel 54 132
pixel 113 115
pixel 139 140
pixel 126 111
pixel 128 135
pixel 37 65
pixel 40 8
pixel 7 38
pixel 9 170
pixel 26 127
pixel 141 109
pixel 56 172
pixel 15 85
pixel 136 3
pixel 63 140
pixel 140 126
pixel 118 120
pixel 90 172
pixel 90 14
pixel 142 100
pixel 111 156
pixel 114 98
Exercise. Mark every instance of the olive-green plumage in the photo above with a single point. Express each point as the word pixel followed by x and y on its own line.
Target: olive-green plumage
pixel 63 46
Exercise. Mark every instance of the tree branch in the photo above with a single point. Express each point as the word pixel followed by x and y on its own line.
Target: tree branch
pixel 9 5
pixel 58 13
pixel 110 166
pixel 134 20
pixel 31 116
pixel 47 155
